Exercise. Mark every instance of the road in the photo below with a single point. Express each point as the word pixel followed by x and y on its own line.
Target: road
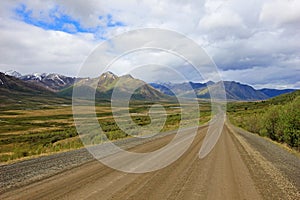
pixel 238 167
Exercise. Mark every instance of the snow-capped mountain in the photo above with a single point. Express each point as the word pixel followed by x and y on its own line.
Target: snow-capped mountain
pixel 34 76
pixel 51 81
pixel 10 85
pixel 13 73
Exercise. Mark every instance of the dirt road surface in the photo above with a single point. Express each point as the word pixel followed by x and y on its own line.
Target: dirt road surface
pixel 239 167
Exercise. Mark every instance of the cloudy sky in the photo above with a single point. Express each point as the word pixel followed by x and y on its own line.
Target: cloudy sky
pixel 255 42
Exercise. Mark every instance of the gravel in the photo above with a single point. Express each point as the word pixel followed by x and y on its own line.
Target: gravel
pixel 287 163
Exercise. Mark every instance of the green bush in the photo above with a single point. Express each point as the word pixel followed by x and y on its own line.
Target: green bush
pixel 280 122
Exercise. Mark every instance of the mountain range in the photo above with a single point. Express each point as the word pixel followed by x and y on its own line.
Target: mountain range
pixel 51 81
pixel 234 90
pixel 56 85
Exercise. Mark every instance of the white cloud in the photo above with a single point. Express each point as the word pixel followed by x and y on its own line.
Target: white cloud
pixel 241 36
pixel 220 20
pixel 270 76
pixel 280 12
pixel 27 49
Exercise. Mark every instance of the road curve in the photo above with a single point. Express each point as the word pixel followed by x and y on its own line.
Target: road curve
pixel 234 169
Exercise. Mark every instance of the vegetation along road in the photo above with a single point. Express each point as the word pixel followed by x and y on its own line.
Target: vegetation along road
pixel 241 166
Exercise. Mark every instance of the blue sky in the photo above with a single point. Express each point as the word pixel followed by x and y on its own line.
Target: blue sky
pixel 253 42
pixel 58 21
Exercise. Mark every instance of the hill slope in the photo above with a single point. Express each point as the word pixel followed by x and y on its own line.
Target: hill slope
pixel 277 118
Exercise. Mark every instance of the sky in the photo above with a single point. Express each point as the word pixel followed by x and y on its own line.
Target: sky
pixel 255 42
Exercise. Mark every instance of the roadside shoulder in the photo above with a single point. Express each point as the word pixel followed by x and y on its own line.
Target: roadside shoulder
pixel 271 161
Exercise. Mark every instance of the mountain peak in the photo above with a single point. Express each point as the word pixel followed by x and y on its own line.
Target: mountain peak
pixel 13 73
pixel 108 75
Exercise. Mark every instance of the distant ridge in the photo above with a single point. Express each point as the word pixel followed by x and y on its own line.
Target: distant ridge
pixel 274 92
pixel 240 92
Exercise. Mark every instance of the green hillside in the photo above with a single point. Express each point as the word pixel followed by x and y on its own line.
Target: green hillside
pixel 277 118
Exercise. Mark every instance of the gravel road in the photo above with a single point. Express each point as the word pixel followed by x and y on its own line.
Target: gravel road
pixel 241 166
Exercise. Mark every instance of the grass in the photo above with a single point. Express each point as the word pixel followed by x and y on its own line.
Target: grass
pixel 30 131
